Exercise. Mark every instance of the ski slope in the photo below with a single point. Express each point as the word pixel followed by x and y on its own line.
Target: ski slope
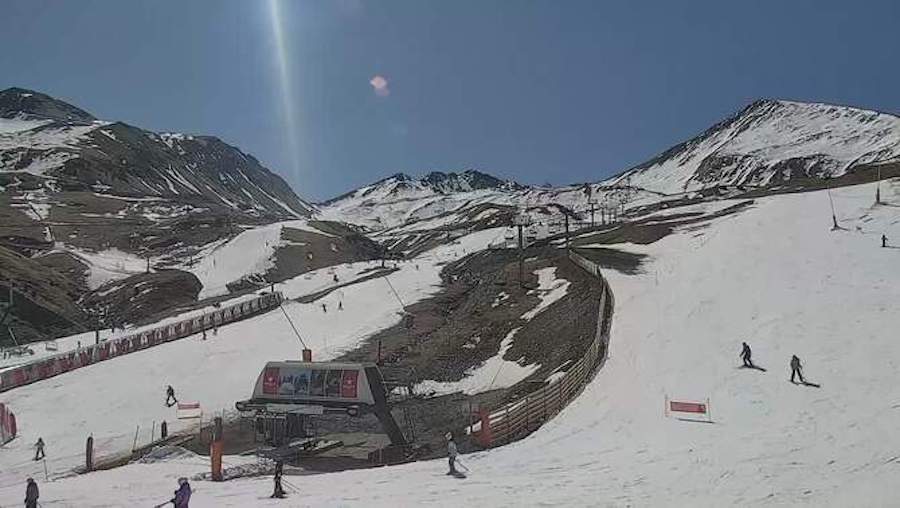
pixel 111 399
pixel 774 275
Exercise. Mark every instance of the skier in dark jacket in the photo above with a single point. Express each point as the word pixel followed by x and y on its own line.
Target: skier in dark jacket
pixel 883 241
pixel 452 452
pixel 183 494
pixel 279 490
pixel 31 494
pixel 39 449
pixel 170 396
pixel 746 354
pixel 796 369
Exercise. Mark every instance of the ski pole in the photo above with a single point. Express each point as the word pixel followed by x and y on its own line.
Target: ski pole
pixel 462 465
pixel 290 485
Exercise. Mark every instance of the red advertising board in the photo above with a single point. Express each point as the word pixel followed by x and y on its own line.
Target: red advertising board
pixel 349 384
pixel 271 381
pixel 687 407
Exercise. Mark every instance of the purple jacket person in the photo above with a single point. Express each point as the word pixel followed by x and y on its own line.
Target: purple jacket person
pixel 183 494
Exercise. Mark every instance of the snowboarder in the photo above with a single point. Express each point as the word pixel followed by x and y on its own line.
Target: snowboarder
pixel 335 278
pixel 796 369
pixel 452 452
pixel 746 354
pixel 31 494
pixel 279 491
pixel 183 494
pixel 883 240
pixel 39 449
pixel 170 397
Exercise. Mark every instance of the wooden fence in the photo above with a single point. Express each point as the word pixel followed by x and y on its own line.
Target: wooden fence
pixel 517 419
pixel 48 367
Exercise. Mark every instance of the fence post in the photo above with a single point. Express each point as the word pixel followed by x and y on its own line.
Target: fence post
pixel 134 445
pixel 215 450
pixel 89 454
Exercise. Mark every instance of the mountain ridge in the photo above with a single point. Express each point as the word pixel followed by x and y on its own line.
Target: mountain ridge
pixel 46 142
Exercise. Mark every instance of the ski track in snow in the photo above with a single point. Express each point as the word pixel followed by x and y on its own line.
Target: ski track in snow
pixel 774 275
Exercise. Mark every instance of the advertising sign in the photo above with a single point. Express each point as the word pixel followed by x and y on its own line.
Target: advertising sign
pixel 313 381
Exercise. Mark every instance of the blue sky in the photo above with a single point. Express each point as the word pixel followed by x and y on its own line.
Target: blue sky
pixel 537 91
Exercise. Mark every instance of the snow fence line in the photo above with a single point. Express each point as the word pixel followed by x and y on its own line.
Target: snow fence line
pixel 517 419
pixel 64 362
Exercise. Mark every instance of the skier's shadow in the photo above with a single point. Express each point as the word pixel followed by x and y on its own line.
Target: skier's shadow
pixel 753 367
pixel 807 383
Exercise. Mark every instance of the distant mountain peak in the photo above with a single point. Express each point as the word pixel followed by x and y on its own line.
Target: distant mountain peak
pixel 769 142
pixel 51 144
pixel 16 102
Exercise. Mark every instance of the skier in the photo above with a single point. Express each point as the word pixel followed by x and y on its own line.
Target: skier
pixel 883 240
pixel 31 494
pixel 341 305
pixel 746 354
pixel 452 452
pixel 170 397
pixel 796 369
pixel 335 278
pixel 279 491
pixel 324 309
pixel 183 494
pixel 39 449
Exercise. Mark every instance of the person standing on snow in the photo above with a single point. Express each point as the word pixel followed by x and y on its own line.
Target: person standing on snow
pixel 183 494
pixel 883 240
pixel 452 452
pixel 170 396
pixel 796 369
pixel 746 354
pixel 31 494
pixel 279 490
pixel 39 449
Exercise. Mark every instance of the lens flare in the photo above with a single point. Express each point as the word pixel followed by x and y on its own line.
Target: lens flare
pixel 292 132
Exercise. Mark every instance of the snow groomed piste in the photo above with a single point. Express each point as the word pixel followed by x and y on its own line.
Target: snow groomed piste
pixel 61 363
pixel 774 275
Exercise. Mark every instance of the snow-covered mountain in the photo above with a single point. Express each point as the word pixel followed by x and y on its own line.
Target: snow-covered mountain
pixel 400 198
pixel 48 144
pixel 770 142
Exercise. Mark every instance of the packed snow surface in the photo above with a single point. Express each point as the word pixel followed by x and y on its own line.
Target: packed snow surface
pixel 113 400
pixel 775 275
pixel 249 253
pixel 549 290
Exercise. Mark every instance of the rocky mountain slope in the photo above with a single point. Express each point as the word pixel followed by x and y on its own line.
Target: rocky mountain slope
pixel 771 142
pixel 49 144
pixel 84 202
